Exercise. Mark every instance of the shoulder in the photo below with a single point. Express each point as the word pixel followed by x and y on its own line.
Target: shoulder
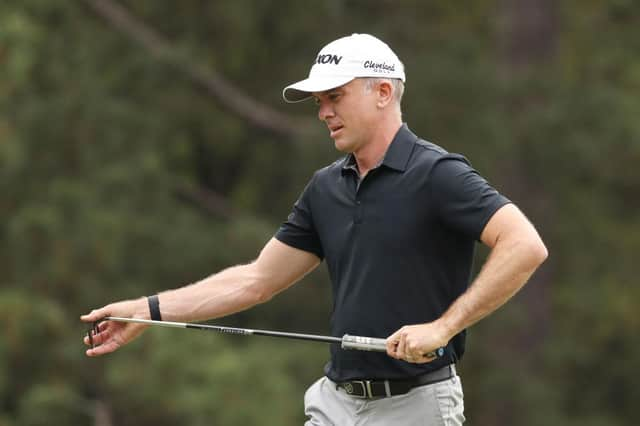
pixel 328 172
pixel 323 179
pixel 430 148
pixel 427 155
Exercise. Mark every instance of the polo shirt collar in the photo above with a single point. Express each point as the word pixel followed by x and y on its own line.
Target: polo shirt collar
pixel 397 155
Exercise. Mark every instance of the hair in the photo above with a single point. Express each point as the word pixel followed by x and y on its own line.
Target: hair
pixel 398 86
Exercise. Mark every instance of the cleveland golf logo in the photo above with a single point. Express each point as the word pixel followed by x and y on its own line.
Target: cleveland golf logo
pixel 379 66
pixel 328 59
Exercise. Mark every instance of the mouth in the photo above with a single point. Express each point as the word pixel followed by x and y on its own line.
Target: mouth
pixel 334 130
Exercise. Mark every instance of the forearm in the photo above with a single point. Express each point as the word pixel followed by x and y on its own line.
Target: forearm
pixel 509 266
pixel 240 287
pixel 232 290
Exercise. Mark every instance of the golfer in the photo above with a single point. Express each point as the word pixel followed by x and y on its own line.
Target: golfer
pixel 396 220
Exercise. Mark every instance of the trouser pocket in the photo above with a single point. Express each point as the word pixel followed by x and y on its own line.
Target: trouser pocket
pixel 450 400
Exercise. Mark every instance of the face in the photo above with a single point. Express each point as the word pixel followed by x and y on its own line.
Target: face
pixel 350 113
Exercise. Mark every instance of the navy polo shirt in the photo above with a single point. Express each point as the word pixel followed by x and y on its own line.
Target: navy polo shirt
pixel 398 244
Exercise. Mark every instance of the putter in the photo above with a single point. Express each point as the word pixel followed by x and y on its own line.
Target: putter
pixel 347 341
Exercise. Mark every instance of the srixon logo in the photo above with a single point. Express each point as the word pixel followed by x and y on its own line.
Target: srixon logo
pixel 328 59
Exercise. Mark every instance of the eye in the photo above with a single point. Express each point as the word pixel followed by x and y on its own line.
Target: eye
pixel 334 96
pixel 316 100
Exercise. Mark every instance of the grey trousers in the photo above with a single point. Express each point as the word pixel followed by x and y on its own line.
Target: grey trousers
pixel 439 404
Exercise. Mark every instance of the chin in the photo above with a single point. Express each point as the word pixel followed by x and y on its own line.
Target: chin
pixel 343 146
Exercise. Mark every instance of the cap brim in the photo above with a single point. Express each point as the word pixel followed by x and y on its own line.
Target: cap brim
pixel 302 90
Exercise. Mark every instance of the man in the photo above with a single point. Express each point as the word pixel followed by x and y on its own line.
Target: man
pixel 396 220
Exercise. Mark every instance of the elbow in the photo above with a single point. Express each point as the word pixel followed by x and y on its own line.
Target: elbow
pixel 541 253
pixel 258 289
pixel 262 295
pixel 257 293
pixel 537 251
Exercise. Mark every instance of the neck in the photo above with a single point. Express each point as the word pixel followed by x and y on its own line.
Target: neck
pixel 369 155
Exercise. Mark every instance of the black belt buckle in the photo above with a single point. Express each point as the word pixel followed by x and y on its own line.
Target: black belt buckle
pixel 367 388
pixel 358 388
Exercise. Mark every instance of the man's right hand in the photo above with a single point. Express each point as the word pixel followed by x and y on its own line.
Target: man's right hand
pixel 111 335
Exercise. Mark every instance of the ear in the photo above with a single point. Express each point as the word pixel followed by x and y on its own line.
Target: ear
pixel 385 93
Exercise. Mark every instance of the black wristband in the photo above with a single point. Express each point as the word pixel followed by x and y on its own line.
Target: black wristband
pixel 154 307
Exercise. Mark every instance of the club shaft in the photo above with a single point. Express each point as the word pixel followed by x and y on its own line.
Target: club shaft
pixel 230 330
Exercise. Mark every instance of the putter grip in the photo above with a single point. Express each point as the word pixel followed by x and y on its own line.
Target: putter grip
pixel 364 343
pixel 378 345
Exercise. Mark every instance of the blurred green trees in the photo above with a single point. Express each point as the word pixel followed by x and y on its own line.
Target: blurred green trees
pixel 122 174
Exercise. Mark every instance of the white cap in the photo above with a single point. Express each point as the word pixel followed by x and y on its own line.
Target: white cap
pixel 343 60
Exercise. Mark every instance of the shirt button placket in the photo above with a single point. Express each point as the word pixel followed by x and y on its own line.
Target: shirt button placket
pixel 358 213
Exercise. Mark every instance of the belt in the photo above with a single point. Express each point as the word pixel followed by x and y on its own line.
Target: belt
pixel 377 388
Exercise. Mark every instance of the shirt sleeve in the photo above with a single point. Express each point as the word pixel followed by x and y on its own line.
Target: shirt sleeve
pixel 462 198
pixel 298 230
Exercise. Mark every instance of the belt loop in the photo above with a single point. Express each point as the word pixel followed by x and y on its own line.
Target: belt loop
pixel 368 388
pixel 387 389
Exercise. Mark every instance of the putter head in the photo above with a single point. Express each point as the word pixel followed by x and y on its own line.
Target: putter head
pixel 92 332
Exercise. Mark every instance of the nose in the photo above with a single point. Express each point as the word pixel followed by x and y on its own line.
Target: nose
pixel 325 111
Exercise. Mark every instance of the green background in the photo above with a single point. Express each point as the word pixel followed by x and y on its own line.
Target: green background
pixel 127 167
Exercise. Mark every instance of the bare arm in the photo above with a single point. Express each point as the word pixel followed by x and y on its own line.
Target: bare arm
pixel 234 289
pixel 239 287
pixel 516 252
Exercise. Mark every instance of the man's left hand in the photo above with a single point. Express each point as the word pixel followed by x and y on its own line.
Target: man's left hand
pixel 412 343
